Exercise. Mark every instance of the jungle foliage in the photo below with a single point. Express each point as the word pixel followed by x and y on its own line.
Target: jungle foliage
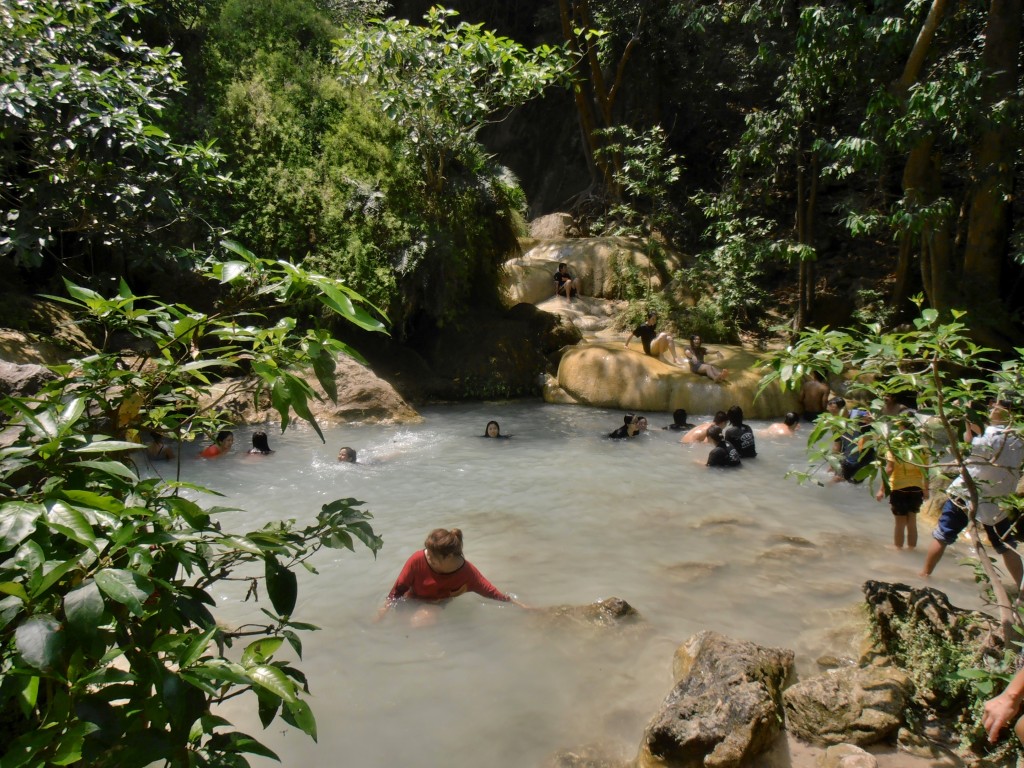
pixel 110 654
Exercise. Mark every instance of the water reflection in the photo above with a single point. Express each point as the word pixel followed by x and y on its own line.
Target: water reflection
pixel 558 514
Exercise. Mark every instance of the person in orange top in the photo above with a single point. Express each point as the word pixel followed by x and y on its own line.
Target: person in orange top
pixel 908 488
pixel 220 446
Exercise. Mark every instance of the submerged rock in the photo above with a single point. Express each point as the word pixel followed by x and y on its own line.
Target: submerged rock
pixel 725 708
pixel 607 613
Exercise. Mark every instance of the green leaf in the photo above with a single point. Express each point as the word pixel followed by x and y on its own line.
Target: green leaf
pixel 241 743
pixel 112 468
pixel 260 651
pixel 17 523
pixel 109 446
pixel 40 641
pixel 125 587
pixel 83 608
pixel 69 748
pixel 299 714
pixel 70 522
pixel 198 647
pixel 273 680
pixel 282 586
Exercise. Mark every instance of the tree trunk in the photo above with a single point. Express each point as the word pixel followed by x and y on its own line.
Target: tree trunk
pixel 994 156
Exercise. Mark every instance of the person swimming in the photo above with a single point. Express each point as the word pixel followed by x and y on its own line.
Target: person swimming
pixel 221 445
pixel 347 454
pixel 437 573
pixel 260 446
pixel 630 427
pixel 494 430
pixel 679 423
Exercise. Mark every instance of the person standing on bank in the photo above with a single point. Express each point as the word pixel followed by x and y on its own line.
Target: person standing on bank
pixel 994 465
pixel 655 344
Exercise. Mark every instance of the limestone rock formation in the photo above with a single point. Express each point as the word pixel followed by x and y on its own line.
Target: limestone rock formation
pixel 591 260
pixel 849 705
pixel 362 397
pixel 553 225
pixel 607 375
pixel 725 708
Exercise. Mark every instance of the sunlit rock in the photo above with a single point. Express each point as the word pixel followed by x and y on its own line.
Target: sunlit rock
pixel 362 397
pixel 848 705
pixel 725 708
pixel 847 756
pixel 608 375
pixel 592 260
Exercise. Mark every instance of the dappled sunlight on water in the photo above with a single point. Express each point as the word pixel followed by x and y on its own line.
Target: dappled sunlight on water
pixel 557 514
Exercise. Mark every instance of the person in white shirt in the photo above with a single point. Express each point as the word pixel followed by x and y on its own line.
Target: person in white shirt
pixel 994 465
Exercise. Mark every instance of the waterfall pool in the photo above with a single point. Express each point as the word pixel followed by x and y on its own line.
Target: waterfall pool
pixel 558 514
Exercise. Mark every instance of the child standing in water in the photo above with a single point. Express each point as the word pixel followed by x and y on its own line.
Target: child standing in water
pixel 908 489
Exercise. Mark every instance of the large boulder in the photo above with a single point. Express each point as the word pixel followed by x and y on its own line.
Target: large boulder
pixel 725 708
pixel 607 375
pixel 594 261
pixel 553 225
pixel 22 380
pixel 362 397
pixel 849 705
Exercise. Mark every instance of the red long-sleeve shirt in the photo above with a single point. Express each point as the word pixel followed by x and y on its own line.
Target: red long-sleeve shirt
pixel 421 582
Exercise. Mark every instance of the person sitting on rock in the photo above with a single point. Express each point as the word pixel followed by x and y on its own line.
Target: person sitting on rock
pixel 724 454
pixel 786 428
pixel 630 428
pixel 679 423
pixel 565 284
pixel 696 354
pixel 740 434
pixel 699 434
pixel 655 344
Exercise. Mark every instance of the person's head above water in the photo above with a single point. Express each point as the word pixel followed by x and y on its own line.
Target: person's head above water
pixel 259 442
pixel 791 419
pixel 492 429
pixel 444 543
pixel 720 418
pixel 347 454
pixel 225 439
pixel 735 415
pixel 679 416
pixel 715 434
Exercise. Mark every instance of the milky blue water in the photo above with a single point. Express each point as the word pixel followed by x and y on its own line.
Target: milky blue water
pixel 557 514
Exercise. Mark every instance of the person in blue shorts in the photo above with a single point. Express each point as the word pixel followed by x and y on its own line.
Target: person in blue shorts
pixel 994 465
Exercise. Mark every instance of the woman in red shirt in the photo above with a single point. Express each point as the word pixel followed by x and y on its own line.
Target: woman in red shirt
pixel 439 572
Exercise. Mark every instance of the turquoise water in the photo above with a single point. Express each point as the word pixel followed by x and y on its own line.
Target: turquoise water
pixel 557 515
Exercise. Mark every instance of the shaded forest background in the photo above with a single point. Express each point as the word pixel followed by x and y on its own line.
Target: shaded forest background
pixel 817 163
